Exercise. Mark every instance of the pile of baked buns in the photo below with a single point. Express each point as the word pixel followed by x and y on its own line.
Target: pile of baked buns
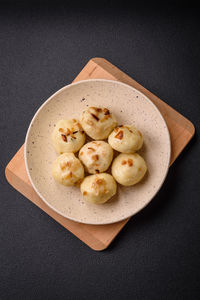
pixel 96 156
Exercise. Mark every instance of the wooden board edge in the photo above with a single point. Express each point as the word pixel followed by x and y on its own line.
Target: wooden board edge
pixel 114 236
pixel 90 240
pixel 110 68
pixel 74 227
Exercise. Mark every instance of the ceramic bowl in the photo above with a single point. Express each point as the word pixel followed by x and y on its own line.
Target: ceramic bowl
pixel 130 107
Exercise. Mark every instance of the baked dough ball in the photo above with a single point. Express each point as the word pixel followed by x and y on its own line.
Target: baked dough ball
pixel 96 156
pixel 67 169
pixel 68 136
pixel 98 188
pixel 98 122
pixel 126 139
pixel 128 169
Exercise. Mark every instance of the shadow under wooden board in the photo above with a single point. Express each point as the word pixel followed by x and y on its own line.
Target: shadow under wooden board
pixel 99 237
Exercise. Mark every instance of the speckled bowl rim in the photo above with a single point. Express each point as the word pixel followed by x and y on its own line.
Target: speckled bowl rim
pixel 48 100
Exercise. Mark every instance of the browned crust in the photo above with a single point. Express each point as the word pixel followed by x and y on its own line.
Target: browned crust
pixel 130 162
pixel 119 135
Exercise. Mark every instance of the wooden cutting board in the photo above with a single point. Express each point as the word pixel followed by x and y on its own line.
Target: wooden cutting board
pixel 99 237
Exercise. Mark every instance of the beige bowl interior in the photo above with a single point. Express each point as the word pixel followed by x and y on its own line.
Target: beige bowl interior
pixel 130 107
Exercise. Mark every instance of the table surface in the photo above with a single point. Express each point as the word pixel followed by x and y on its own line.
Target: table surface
pixel 156 256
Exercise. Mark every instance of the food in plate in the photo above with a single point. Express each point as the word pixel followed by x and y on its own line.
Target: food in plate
pixel 67 169
pixel 126 139
pixel 96 156
pixel 98 122
pixel 68 136
pixel 128 169
pixel 98 188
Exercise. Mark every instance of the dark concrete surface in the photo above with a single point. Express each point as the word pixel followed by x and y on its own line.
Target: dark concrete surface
pixel 42 48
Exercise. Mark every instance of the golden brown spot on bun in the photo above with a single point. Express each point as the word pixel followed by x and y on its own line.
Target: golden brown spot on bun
pixel 100 181
pixel 68 131
pixel 91 148
pixel 130 162
pixel 102 120
pixel 95 117
pixel 65 165
pixel 64 138
pixel 119 135
pixel 106 111
pixel 95 157
pixel 96 143
pixel 97 109
pixel 107 117
pixel 69 175
pixel 99 185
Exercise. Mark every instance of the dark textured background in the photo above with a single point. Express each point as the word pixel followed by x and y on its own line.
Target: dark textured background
pixel 42 48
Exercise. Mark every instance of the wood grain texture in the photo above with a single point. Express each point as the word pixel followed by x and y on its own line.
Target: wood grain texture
pixel 99 237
